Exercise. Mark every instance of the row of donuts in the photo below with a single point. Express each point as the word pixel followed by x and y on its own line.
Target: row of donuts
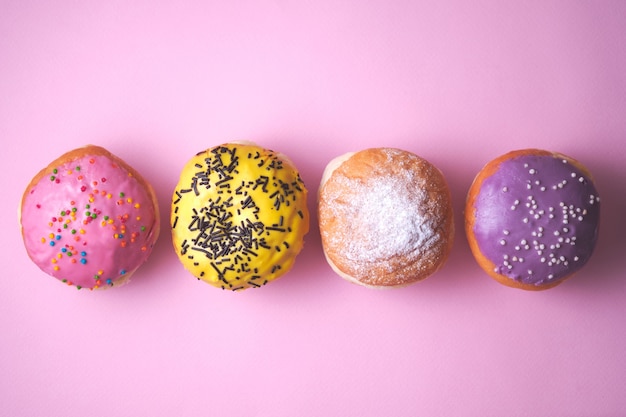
pixel 239 217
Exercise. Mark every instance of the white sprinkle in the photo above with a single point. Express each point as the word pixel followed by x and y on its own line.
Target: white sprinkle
pixel 502 242
pixel 505 189
pixel 576 258
pixel 532 171
pixel 573 175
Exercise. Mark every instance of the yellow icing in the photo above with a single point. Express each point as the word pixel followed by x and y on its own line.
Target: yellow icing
pixel 239 216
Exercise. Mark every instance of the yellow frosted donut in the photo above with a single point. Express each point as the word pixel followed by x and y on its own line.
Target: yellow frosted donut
pixel 239 216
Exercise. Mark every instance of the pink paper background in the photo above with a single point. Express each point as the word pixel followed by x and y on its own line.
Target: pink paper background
pixel 455 82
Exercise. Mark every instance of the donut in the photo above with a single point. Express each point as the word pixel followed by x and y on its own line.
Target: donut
pixel 531 218
pixel 89 219
pixel 385 217
pixel 239 216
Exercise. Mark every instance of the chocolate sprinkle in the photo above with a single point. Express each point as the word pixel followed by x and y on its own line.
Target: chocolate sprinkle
pixel 227 243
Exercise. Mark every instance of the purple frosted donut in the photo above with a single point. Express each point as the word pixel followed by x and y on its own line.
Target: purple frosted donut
pixel 531 218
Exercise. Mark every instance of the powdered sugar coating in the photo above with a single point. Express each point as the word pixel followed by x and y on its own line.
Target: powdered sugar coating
pixel 384 217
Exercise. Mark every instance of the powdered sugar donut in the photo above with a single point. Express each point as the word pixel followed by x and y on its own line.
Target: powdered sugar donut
pixel 385 217
pixel 531 218
pixel 89 219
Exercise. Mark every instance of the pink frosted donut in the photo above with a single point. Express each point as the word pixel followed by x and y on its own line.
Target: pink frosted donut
pixel 89 219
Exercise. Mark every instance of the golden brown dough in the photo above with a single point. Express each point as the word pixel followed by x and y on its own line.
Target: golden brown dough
pixel 385 217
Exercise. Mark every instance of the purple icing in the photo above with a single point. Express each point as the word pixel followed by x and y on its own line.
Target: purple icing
pixel 537 219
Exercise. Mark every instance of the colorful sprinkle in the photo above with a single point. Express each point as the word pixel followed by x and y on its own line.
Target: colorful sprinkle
pixel 73 217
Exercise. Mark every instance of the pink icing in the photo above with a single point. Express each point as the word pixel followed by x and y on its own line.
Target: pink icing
pixel 89 222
